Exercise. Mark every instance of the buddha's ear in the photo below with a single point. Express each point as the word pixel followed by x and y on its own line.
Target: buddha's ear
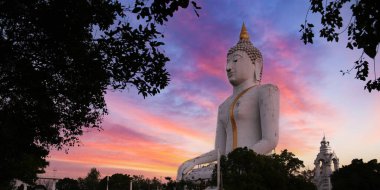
pixel 258 69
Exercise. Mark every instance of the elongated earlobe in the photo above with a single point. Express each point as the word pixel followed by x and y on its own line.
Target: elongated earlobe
pixel 257 75
pixel 258 70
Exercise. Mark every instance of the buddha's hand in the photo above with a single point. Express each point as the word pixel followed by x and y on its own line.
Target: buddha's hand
pixel 184 168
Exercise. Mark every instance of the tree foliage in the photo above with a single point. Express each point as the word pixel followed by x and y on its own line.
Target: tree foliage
pixel 67 184
pixel 170 184
pixel 244 169
pixel 91 181
pixel 139 182
pixel 363 30
pixel 115 182
pixel 122 182
pixel 58 59
pixel 357 175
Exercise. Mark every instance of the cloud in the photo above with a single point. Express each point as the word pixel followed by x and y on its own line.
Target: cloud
pixel 154 122
pixel 154 135
pixel 117 132
pixel 297 74
pixel 123 148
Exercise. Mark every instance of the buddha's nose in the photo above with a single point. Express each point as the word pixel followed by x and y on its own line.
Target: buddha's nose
pixel 228 69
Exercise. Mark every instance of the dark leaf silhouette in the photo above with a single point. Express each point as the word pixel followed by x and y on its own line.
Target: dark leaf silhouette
pixel 59 58
pixel 363 30
pixel 357 175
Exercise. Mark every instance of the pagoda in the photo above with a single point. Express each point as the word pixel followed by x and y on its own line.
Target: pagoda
pixel 323 166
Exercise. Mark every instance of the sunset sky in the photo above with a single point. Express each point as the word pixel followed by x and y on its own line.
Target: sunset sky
pixel 152 136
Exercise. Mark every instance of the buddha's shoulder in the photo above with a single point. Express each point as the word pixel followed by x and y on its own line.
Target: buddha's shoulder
pixel 225 103
pixel 268 88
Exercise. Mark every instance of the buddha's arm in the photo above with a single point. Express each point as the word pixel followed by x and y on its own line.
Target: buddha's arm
pixel 220 143
pixel 220 137
pixel 187 166
pixel 269 104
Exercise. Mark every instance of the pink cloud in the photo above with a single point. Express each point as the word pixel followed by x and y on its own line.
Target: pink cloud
pixel 297 95
pixel 120 148
pixel 372 135
pixel 161 122
pixel 62 169
pixel 119 133
pixel 198 80
pixel 286 64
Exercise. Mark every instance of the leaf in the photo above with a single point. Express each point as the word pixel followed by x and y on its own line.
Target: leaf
pixel 371 52
pixel 302 26
pixel 136 10
pixel 184 4
pixel 145 12
pixel 349 45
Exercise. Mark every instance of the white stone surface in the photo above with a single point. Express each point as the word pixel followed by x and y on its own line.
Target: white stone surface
pixel 323 168
pixel 256 112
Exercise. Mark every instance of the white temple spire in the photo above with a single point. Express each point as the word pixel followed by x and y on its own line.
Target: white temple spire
pixel 323 165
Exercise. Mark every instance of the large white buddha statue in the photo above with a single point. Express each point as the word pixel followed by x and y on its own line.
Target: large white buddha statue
pixel 247 118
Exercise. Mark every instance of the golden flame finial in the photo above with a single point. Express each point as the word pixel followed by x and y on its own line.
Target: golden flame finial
pixel 244 33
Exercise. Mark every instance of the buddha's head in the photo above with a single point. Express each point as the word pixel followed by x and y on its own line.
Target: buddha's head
pixel 244 61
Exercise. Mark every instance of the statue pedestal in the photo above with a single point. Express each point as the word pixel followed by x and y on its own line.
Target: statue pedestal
pixel 202 173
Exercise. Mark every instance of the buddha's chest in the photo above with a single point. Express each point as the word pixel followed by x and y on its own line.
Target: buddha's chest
pixel 244 110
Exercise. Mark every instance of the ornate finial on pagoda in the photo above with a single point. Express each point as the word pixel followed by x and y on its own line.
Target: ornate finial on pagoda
pixel 244 33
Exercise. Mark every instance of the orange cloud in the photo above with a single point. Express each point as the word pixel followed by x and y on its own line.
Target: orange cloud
pixel 162 123
pixel 134 152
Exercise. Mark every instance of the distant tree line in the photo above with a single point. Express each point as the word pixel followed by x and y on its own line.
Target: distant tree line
pixel 241 169
pixel 93 181
pixel 357 175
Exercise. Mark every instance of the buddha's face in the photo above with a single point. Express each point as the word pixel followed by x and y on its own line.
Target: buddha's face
pixel 239 68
